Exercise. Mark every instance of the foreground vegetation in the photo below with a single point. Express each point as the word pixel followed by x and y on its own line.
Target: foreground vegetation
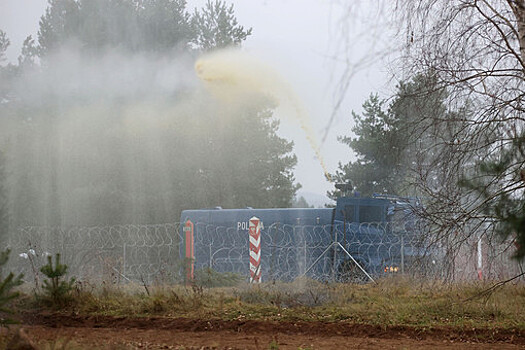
pixel 395 301
pixel 391 302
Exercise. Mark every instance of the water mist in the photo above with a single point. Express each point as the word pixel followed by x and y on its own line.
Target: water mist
pixel 233 76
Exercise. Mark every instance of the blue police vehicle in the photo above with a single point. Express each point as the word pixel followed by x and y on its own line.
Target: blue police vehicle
pixel 357 240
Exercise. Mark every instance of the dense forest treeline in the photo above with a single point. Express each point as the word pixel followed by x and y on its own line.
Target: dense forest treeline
pixel 103 120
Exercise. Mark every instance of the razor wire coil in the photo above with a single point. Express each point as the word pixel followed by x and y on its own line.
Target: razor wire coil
pixel 153 252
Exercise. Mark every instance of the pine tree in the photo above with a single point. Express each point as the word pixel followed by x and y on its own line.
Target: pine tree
pixel 389 137
pixel 216 27
pixel 4 208
pixel 58 291
pixel 4 44
pixel 6 289
pixel 379 146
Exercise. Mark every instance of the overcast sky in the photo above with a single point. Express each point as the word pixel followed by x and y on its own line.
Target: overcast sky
pixel 303 40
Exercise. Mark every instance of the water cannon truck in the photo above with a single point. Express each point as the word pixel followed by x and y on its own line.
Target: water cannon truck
pixel 357 240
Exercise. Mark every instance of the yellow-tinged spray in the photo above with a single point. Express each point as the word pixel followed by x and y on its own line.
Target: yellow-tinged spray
pixel 234 76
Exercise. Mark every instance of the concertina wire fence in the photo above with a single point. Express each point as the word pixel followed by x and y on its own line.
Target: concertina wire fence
pixel 152 253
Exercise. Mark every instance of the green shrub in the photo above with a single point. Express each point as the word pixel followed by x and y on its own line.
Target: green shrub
pixel 6 289
pixel 57 291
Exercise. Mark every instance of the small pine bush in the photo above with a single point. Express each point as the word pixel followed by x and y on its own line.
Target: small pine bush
pixel 57 291
pixel 6 290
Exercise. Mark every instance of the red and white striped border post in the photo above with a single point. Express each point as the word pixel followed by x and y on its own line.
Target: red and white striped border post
pixel 255 250
pixel 189 251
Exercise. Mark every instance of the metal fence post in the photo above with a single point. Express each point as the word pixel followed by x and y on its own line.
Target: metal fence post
pixel 402 254
pixel 305 266
pixel 211 256
pixel 124 259
pixel 273 240
pixel 335 256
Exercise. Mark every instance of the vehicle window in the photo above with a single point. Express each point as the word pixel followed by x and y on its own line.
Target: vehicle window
pixel 369 213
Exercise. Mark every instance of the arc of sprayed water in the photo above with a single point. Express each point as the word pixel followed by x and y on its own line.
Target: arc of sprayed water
pixel 310 136
pixel 224 67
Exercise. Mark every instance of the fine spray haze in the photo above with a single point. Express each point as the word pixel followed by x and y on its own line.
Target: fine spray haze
pixel 234 76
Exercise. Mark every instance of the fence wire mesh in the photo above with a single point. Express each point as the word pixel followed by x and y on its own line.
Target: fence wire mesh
pixel 148 253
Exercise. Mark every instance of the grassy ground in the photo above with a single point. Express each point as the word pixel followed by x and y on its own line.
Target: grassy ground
pixel 389 302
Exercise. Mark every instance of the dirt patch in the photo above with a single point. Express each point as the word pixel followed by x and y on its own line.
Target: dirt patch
pixel 162 332
pixel 111 338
